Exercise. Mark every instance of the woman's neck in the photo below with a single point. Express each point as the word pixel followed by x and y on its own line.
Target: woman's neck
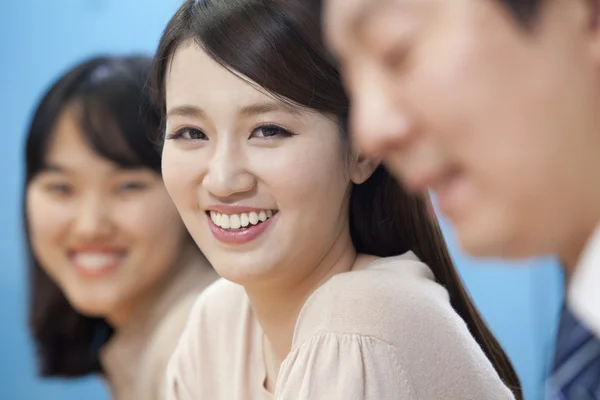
pixel 142 304
pixel 278 305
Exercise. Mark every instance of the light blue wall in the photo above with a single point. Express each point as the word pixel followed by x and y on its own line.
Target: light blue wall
pixel 39 39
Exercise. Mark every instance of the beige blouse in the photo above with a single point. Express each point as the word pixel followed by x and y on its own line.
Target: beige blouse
pixel 382 333
pixel 136 357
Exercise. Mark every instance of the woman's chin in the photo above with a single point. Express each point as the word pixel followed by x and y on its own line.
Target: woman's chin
pixel 245 274
pixel 93 307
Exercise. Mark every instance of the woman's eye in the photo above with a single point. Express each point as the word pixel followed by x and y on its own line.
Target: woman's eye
pixel 132 186
pixel 270 132
pixel 187 134
pixel 59 189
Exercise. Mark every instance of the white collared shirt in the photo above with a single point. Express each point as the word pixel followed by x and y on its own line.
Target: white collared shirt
pixel 584 289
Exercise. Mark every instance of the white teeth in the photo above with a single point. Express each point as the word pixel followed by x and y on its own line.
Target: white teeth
pixel 234 221
pixel 95 261
pixel 224 221
pixel 243 220
pixel 253 218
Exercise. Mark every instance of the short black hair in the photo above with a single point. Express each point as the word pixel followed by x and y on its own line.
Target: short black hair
pixel 524 10
pixel 111 95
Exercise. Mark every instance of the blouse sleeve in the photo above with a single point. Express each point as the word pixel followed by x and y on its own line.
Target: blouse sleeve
pixel 346 366
pixel 407 344
pixel 381 334
pixel 354 367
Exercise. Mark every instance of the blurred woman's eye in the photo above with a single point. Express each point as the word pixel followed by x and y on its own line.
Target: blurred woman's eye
pixel 187 133
pixel 132 186
pixel 270 132
pixel 60 189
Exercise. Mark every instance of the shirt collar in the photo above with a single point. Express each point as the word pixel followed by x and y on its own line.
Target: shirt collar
pixel 584 290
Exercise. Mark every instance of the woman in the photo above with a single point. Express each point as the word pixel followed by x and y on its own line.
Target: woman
pixel 113 271
pixel 338 285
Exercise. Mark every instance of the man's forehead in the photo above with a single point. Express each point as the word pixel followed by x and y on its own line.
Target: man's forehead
pixel 347 17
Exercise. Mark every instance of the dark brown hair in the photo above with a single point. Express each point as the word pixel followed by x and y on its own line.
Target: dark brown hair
pixel 278 45
pixel 525 11
pixel 115 118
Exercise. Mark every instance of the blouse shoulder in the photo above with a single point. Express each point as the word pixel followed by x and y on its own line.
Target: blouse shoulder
pixel 387 331
pixel 219 315
pixel 220 305
pixel 377 300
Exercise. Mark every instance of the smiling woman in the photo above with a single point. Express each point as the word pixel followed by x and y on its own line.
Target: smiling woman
pixel 338 284
pixel 113 272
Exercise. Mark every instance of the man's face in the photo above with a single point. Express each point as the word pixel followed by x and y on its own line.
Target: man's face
pixel 498 119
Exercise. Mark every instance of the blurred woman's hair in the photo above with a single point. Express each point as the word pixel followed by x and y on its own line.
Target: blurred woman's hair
pixel 115 117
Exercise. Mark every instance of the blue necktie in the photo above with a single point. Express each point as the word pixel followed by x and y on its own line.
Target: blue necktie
pixel 576 370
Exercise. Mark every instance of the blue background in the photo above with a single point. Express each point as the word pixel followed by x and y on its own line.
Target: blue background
pixel 39 40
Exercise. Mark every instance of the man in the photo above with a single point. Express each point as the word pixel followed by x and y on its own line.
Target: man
pixel 495 106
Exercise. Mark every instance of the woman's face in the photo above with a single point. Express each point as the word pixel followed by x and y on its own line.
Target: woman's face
pixel 106 235
pixel 261 185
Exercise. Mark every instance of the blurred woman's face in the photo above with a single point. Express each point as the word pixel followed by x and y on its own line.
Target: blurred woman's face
pixel 107 235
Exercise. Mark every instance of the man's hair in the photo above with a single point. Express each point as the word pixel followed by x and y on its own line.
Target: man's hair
pixel 524 10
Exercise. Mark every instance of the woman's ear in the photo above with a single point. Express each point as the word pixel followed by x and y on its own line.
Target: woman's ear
pixel 363 168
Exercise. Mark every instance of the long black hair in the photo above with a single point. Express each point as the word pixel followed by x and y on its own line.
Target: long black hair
pixel 115 117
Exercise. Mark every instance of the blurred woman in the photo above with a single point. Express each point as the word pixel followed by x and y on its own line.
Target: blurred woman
pixel 113 271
